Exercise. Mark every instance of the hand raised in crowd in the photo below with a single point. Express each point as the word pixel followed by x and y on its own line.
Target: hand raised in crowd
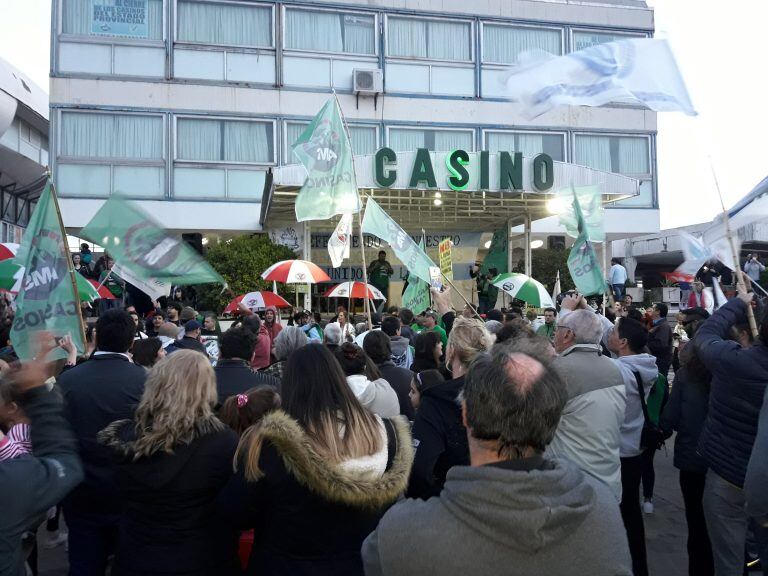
pixel 35 372
pixel 573 301
pixel 69 347
pixel 442 300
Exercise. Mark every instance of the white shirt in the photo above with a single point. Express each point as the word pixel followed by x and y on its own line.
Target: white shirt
pixel 618 274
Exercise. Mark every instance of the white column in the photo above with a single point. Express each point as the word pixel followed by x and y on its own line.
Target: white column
pixel 527 239
pixel 307 256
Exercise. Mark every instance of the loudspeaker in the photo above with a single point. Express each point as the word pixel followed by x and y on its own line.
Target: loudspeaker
pixel 195 240
pixel 556 242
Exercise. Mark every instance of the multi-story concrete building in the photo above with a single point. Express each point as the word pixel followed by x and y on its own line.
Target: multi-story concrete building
pixel 23 149
pixel 186 105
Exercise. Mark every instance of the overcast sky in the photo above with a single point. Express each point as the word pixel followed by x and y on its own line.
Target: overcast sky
pixel 721 51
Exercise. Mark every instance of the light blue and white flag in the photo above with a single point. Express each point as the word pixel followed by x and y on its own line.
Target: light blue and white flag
pixel 639 71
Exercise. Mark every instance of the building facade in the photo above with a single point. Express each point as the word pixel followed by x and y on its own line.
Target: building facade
pixel 184 105
pixel 23 149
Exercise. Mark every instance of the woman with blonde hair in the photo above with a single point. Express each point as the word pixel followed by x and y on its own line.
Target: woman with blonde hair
pixel 438 429
pixel 172 460
pixel 314 478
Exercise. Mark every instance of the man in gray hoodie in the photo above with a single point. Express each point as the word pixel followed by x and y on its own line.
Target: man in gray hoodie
pixel 512 509
pixel 628 341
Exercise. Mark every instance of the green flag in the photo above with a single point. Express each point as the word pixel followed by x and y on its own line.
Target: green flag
pixel 46 300
pixel 582 261
pixel 591 203
pixel 497 256
pixel 380 224
pixel 325 151
pixel 144 248
pixel 416 295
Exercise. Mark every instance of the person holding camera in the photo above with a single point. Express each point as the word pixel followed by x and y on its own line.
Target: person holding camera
pixel 487 293
pixel 753 267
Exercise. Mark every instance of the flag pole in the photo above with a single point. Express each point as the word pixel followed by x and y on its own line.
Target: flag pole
pixel 456 290
pixel 359 211
pixel 740 284
pixel 70 266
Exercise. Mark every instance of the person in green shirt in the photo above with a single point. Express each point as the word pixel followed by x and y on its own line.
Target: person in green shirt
pixel 379 272
pixel 547 330
pixel 430 324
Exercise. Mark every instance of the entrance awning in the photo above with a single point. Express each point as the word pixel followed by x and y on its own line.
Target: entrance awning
pixel 442 207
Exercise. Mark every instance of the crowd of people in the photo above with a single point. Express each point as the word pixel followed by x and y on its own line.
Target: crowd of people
pixel 436 443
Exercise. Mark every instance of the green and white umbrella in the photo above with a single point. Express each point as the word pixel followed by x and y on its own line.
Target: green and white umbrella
pixel 524 288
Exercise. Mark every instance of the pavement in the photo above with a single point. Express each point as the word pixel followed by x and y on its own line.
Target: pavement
pixel 665 529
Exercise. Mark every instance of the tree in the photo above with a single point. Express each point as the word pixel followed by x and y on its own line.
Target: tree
pixel 544 266
pixel 241 262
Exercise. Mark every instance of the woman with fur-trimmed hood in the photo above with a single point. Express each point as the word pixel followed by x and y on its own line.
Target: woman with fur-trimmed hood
pixel 314 479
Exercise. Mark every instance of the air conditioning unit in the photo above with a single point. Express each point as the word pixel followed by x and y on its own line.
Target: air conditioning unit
pixel 556 242
pixel 367 82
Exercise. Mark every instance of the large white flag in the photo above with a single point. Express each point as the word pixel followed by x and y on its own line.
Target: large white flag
pixel 338 243
pixel 639 71
pixel 152 287
pixel 697 253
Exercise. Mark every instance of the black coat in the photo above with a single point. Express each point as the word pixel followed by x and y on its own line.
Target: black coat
pixel 188 343
pixel 236 377
pixel 660 345
pixel 739 380
pixel 310 518
pixel 400 381
pixel 686 412
pixel 441 437
pixel 168 524
pixel 105 388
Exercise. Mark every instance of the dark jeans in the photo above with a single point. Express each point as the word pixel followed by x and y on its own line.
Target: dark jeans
pixel 726 523
pixel 699 548
pixel 618 291
pixel 92 539
pixel 483 304
pixel 760 533
pixel 649 474
pixel 631 514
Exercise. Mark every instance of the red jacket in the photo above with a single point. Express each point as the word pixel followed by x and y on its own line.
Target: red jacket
pixel 260 358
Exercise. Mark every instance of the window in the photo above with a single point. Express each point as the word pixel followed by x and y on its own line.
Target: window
pixel 504 44
pixel 104 154
pixel 529 144
pixel 628 155
pixel 322 31
pixel 238 141
pixel 225 24
pixel 78 19
pixel 429 39
pixel 583 40
pixel 363 138
pixel 132 137
pixel 407 139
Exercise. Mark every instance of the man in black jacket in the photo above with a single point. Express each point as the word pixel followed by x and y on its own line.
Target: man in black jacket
pixel 233 371
pixel 660 338
pixel 377 346
pixel 34 482
pixel 106 388
pixel 191 338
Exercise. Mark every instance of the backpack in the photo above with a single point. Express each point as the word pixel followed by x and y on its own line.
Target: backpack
pixel 652 435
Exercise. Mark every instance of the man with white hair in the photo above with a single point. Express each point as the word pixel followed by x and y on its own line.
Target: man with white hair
pixel 589 432
pixel 332 336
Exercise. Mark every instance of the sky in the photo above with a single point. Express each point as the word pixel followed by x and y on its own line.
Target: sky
pixel 721 51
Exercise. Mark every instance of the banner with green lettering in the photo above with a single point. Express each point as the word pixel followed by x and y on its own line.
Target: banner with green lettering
pixel 47 300
pixel 582 261
pixel 416 295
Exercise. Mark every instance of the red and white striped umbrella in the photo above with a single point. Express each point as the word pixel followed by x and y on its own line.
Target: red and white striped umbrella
pixel 359 290
pixel 257 301
pixel 295 272
pixel 8 250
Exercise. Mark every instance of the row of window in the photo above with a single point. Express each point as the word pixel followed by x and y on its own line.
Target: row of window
pixel 251 26
pixel 225 158
pixel 139 137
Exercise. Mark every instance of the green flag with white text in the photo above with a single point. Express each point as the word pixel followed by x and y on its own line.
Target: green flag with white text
pixel 381 224
pixel 498 253
pixel 582 261
pixel 144 247
pixel 46 300
pixel 591 204
pixel 325 151
pixel 416 295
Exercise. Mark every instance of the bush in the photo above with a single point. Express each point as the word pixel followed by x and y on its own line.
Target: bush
pixel 544 266
pixel 241 262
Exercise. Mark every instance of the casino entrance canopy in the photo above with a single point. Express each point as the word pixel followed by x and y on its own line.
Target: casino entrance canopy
pixel 450 190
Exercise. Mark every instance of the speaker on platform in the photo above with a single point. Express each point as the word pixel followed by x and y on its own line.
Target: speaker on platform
pixel 556 242
pixel 195 240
